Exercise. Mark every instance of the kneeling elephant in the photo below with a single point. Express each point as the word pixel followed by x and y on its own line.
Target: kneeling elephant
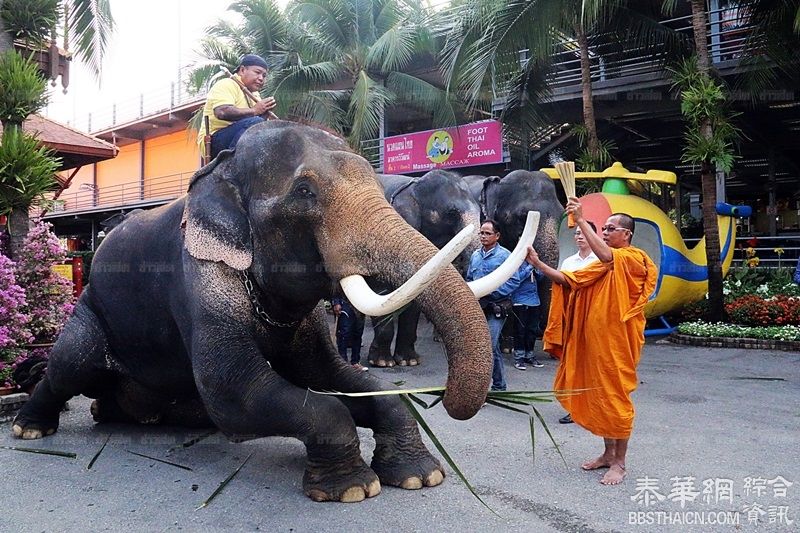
pixel 206 311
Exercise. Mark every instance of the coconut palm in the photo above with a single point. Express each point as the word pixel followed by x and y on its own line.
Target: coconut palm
pixel 708 141
pixel 27 170
pixel 338 63
pixel 484 49
pixel 85 25
pixel 771 51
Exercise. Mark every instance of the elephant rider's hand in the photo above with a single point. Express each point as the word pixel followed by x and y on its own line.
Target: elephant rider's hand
pixel 337 308
pixel 263 106
pixel 575 209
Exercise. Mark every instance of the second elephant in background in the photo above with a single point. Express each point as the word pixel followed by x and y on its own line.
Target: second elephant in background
pixel 438 205
pixel 507 201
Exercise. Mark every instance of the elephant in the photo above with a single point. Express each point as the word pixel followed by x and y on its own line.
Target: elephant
pixel 207 312
pixel 507 201
pixel 438 205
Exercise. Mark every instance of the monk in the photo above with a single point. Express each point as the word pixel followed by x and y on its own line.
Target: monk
pixel 596 327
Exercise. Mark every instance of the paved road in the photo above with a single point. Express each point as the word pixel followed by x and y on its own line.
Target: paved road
pixel 707 414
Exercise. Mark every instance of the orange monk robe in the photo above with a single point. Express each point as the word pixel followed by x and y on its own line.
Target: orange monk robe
pixel 596 328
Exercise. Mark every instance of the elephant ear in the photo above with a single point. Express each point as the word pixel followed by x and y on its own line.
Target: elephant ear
pixel 489 198
pixel 216 227
pixel 405 203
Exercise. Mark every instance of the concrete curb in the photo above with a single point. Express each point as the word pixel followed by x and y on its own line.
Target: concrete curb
pixel 10 404
pixel 735 342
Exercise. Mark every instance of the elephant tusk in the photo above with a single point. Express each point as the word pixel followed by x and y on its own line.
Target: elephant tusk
pixel 487 284
pixel 372 304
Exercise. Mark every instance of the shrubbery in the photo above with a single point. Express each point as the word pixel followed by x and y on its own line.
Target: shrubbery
pixel 758 302
pixel 753 310
pixel 699 328
pixel 35 303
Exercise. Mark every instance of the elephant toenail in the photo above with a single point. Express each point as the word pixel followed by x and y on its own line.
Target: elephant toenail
pixel 412 483
pixel 435 478
pixel 353 495
pixel 317 495
pixel 373 489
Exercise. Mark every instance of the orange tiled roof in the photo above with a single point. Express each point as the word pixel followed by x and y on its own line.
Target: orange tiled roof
pixel 74 147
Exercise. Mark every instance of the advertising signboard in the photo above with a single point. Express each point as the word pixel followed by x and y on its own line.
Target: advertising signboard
pixel 476 143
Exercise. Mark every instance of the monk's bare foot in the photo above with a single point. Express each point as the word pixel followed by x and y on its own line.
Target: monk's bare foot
pixel 614 476
pixel 596 464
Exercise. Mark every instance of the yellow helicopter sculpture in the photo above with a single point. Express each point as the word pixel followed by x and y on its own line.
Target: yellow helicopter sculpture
pixel 682 272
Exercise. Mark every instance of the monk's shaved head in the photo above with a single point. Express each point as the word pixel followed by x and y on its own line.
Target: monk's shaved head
pixel 624 220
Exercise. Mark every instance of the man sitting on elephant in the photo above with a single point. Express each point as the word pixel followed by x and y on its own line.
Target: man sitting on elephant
pixel 234 104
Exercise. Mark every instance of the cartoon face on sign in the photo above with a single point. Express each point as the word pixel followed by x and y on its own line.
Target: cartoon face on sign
pixel 440 146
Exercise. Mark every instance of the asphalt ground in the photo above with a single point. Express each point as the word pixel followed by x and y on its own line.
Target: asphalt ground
pixel 716 433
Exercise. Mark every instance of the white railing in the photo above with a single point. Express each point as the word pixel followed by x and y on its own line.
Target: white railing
pixel 161 189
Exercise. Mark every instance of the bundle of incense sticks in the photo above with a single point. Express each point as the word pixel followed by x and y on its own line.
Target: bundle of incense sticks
pixel 566 171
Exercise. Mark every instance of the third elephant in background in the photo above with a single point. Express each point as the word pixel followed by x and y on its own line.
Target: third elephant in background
pixel 507 201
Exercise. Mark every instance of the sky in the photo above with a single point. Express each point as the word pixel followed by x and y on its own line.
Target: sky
pixel 152 40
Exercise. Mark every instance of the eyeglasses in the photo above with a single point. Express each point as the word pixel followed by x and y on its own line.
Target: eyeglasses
pixel 613 228
pixel 487 232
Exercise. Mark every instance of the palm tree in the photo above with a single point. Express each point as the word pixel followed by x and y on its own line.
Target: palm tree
pixel 28 169
pixel 708 141
pixel 489 36
pixel 85 25
pixel 338 63
pixel 771 50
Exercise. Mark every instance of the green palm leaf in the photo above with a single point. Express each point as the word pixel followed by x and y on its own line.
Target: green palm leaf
pixel 365 112
pixel 90 24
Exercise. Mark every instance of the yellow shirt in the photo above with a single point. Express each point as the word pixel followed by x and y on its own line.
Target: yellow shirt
pixel 224 92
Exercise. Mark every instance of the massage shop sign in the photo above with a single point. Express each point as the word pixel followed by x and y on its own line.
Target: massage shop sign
pixel 476 143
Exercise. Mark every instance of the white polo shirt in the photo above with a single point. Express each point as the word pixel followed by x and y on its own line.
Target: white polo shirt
pixel 576 262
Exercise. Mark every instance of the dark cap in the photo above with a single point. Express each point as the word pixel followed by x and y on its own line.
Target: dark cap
pixel 252 60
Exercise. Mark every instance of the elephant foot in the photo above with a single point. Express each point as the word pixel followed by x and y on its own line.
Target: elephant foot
pixel 337 483
pixel 404 462
pixel 381 361
pixel 410 474
pixel 407 358
pixel 30 430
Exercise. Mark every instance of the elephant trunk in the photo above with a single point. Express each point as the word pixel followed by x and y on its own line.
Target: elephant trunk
pixel 378 243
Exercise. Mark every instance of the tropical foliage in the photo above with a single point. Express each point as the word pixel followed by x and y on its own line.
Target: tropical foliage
pixel 336 63
pixel 704 101
pixel 85 24
pixel 771 49
pixel 512 50
pixel 22 89
pixel 27 171
pixel 32 21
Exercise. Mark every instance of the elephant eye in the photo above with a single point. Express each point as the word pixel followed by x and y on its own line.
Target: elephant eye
pixel 303 190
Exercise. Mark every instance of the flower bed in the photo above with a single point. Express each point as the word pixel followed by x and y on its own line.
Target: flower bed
pixel 721 335
pixel 698 328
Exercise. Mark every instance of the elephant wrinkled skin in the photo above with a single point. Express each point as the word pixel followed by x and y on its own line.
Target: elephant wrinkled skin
pixel 166 330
